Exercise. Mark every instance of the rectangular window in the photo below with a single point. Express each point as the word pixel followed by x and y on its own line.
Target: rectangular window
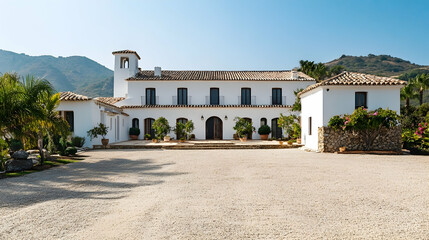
pixel 309 125
pixel 69 116
pixel 361 100
pixel 277 96
pixel 246 96
pixel 214 96
pixel 150 96
pixel 182 96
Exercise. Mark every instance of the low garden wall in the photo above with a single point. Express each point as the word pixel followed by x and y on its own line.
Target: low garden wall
pixel 330 140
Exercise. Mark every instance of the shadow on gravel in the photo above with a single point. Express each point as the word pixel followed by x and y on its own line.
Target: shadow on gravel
pixel 106 179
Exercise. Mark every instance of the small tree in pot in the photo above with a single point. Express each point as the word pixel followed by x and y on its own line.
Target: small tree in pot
pixel 162 128
pixel 264 131
pixel 243 128
pixel 134 133
pixel 100 130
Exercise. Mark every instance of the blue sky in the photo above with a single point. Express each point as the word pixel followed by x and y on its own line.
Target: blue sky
pixel 217 34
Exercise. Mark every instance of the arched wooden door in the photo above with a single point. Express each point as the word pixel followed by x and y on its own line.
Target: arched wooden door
pixel 276 131
pixel 148 129
pixel 249 136
pixel 214 128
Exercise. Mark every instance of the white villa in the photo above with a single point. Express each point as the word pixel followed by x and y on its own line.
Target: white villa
pixel 211 99
pixel 342 94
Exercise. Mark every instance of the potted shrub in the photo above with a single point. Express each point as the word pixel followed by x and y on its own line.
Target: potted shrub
pixel 264 131
pixel 243 128
pixel 189 128
pixel 290 142
pixel 192 137
pixel 162 128
pixel 147 136
pixel 100 130
pixel 179 130
pixel 182 140
pixel 134 133
pixel 280 141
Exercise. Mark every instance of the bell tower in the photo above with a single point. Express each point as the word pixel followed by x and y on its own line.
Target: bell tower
pixel 126 66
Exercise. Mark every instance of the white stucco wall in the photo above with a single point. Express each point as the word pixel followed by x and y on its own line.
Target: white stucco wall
pixel 195 114
pixel 230 91
pixel 322 105
pixel 87 114
pixel 341 99
pixel 311 106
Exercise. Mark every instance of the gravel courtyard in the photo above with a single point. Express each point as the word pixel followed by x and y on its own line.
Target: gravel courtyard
pixel 220 194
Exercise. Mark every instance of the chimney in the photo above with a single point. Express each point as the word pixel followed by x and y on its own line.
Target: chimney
pixel 294 74
pixel 157 72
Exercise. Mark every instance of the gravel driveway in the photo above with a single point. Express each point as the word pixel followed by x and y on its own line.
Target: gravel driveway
pixel 220 194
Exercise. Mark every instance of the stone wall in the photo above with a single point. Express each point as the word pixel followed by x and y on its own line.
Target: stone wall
pixel 331 140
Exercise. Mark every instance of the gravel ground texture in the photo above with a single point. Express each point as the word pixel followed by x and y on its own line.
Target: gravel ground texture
pixel 220 194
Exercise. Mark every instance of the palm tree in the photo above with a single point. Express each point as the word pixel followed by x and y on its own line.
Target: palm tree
pixel 421 82
pixel 408 93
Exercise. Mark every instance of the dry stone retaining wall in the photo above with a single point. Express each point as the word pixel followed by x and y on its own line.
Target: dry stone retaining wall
pixel 331 140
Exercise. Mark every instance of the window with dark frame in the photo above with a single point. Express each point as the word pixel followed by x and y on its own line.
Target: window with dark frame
pixel 309 126
pixel 135 123
pixel 277 96
pixel 69 116
pixel 361 100
pixel 150 96
pixel 214 96
pixel 263 121
pixel 246 96
pixel 182 96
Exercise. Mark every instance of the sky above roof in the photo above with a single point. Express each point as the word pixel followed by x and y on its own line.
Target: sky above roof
pixel 217 35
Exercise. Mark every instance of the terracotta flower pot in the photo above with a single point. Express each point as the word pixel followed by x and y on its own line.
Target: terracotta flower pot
pixel 182 141
pixel 134 137
pixel 167 138
pixel 298 141
pixel 342 149
pixel 281 142
pixel 104 141
pixel 154 140
pixel 264 136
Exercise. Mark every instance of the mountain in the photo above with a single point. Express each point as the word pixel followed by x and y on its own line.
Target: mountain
pixel 381 65
pixel 78 74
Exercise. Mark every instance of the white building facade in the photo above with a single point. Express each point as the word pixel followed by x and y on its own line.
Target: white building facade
pixel 211 99
pixel 342 94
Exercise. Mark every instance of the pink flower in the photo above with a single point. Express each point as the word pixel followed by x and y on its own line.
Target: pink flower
pixel 420 129
pixel 375 114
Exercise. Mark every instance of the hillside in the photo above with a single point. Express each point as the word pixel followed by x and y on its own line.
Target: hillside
pixel 78 74
pixel 382 65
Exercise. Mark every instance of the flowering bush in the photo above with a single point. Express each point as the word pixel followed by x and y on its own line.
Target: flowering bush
pixel 417 141
pixel 367 124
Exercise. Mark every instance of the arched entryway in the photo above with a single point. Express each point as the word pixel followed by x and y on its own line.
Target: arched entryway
pixel 276 131
pixel 148 129
pixel 214 128
pixel 249 136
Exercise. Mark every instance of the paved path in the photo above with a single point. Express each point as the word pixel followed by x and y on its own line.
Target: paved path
pixel 220 194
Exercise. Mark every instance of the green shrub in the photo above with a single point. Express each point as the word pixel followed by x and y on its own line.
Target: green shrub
pixel 70 151
pixel 15 145
pixel 100 130
pixel 148 136
pixel 290 125
pixel 161 127
pixel 78 141
pixel 264 130
pixel 243 127
pixel 179 130
pixel 134 131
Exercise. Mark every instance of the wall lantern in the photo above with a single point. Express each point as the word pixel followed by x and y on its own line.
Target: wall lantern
pixel 327 90
pixel 226 117
pixel 202 117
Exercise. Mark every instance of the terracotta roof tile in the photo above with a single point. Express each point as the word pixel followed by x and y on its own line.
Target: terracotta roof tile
pixel 221 76
pixel 110 100
pixel 207 106
pixel 352 78
pixel 71 96
pixel 126 52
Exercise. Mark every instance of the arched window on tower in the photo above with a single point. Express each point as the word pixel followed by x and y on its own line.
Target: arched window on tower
pixel 125 62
